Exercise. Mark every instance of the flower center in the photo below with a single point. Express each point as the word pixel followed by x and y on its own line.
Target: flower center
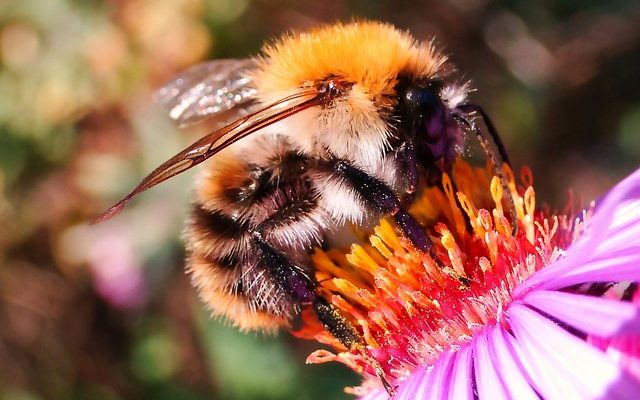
pixel 408 306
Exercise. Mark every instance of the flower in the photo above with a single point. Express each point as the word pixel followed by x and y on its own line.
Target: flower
pixel 543 306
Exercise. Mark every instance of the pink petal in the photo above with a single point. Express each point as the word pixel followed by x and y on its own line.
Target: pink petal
pixel 380 394
pixel 564 366
pixel 460 386
pixel 415 385
pixel 626 351
pixel 440 376
pixel 623 197
pixel 624 230
pixel 615 267
pixel 618 266
pixel 506 361
pixel 488 381
pixel 612 232
pixel 594 315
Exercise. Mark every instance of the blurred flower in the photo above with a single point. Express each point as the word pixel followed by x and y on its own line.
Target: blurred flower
pixel 117 275
pixel 504 313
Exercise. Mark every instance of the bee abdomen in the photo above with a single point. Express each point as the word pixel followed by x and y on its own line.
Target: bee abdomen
pixel 233 242
pixel 291 217
pixel 226 269
pixel 221 289
pixel 217 237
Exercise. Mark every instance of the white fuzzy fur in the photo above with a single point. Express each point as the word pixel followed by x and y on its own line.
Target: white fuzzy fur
pixel 339 200
pixel 454 94
pixel 351 128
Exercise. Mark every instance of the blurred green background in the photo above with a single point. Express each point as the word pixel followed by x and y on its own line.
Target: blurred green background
pixel 106 312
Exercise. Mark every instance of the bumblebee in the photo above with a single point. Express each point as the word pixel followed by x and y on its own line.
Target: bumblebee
pixel 334 126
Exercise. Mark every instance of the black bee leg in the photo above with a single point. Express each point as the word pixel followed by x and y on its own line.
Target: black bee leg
pixel 474 108
pixel 336 324
pixel 288 275
pixel 344 331
pixel 380 197
pixel 462 116
pixel 301 288
pixel 407 159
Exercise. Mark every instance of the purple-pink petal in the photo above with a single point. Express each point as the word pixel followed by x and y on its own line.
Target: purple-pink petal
pixel 440 377
pixel 615 267
pixel 618 266
pixel 517 384
pixel 565 366
pixel 488 380
pixel 414 385
pixel 460 382
pixel 609 250
pixel 593 315
pixel 535 366
pixel 625 194
pixel 625 350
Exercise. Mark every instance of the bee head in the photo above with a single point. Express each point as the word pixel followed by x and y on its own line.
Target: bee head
pixel 422 99
pixel 422 108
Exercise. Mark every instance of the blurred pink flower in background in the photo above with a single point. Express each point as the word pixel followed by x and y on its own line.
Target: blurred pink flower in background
pixel 117 274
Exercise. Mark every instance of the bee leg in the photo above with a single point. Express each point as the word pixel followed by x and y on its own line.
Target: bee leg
pixel 463 110
pixel 493 132
pixel 407 159
pixel 302 289
pixel 381 198
pixel 337 325
pixel 344 331
pixel 289 276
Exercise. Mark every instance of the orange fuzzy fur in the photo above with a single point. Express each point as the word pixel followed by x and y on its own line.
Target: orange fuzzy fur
pixel 213 284
pixel 368 54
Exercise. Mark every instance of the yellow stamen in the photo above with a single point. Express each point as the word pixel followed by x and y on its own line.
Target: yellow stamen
pixel 490 236
pixel 511 180
pixel 352 292
pixel 380 246
pixel 358 256
pixel 458 218
pixel 496 194
pixel 387 234
pixel 471 211
pixel 528 218
pixel 330 269
pixel 455 254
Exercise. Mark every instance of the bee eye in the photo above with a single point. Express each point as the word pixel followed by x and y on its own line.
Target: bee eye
pixel 421 100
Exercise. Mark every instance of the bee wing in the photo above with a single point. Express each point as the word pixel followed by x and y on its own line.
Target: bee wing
pixel 221 138
pixel 207 89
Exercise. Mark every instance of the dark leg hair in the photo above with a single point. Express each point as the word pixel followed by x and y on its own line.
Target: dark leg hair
pixel 289 276
pixel 380 197
pixel 407 159
pixel 302 289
